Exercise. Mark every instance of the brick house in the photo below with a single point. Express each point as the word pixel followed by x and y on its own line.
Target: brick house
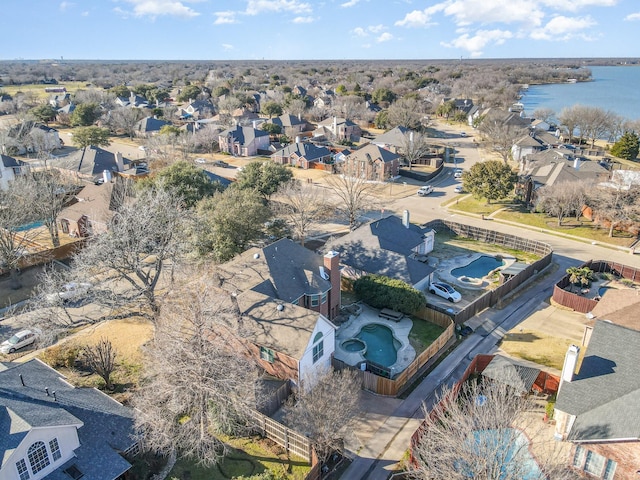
pixel 598 408
pixel 243 141
pixel 286 296
pixel 302 154
pixel 370 162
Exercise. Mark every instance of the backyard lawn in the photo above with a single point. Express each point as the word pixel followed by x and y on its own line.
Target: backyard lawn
pixel 536 347
pixel 423 334
pixel 249 456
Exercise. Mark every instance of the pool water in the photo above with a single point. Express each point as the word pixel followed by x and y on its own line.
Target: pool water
pixel 518 462
pixel 603 290
pixel 353 345
pixel 382 347
pixel 29 226
pixel 479 268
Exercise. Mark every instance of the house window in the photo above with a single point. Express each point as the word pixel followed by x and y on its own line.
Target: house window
pixel 23 473
pixel 55 449
pixel 38 457
pixel 318 347
pixel 578 457
pixel 266 354
pixel 610 470
pixel 594 463
pixel 323 299
pixel 314 300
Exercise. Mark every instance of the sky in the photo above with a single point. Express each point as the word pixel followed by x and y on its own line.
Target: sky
pixel 317 29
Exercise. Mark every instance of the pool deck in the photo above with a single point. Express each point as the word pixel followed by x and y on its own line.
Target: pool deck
pixel 445 267
pixel 401 329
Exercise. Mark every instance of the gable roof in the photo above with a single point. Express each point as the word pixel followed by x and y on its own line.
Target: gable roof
pixel 307 150
pixel 383 247
pixel 150 124
pixel 287 120
pixel 511 372
pixel 243 135
pixel 104 425
pixel 10 162
pixel 605 394
pixel 551 166
pixel 395 137
pixel 619 306
pixel 372 152
pixel 92 161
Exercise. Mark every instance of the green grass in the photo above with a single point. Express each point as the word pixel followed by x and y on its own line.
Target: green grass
pixel 423 334
pixel 248 456
pixel 582 227
pixel 470 204
pixel 38 89
pixel 447 245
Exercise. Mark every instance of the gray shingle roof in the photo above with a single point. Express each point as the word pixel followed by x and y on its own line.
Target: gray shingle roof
pixel 91 161
pixel 383 247
pixel 303 149
pixel 105 426
pixel 10 162
pixel 373 152
pixel 605 394
pixel 395 137
pixel 512 373
pixel 243 135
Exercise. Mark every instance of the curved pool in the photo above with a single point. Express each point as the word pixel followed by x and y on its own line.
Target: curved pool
pixel 382 346
pixel 479 268
pixel 354 345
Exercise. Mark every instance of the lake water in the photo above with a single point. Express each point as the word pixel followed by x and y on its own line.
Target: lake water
pixel 612 88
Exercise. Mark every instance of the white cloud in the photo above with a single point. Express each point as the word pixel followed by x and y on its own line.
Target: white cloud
pixel 350 3
pixel 227 46
pixel 65 5
pixel 420 18
pixel 575 5
pixel 225 18
pixel 632 17
pixel 475 44
pixel 303 20
pixel 85 14
pixel 466 12
pixel 359 32
pixel 385 37
pixel 254 7
pixel 376 28
pixel 154 8
pixel 564 28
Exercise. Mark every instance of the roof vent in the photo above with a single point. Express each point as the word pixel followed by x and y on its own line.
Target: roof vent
pixel 256 256
pixel 280 307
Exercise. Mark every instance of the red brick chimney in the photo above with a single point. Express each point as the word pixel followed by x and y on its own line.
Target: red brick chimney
pixel 332 265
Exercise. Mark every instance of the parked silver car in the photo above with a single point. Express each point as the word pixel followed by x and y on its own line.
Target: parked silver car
pixel 20 340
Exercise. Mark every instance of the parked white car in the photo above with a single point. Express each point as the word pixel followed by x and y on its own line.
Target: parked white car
pixel 71 291
pixel 425 190
pixel 459 189
pixel 201 160
pixel 20 340
pixel 457 173
pixel 445 290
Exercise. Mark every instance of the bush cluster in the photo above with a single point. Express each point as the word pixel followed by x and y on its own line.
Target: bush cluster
pixel 384 292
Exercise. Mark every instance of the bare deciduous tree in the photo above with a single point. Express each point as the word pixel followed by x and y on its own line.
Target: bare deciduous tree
pixel 499 136
pixel 617 205
pixel 197 381
pixel 324 410
pixel 563 199
pixel 124 119
pixel 414 146
pixel 300 205
pixel 101 358
pixel 354 195
pixel 406 112
pixel 475 433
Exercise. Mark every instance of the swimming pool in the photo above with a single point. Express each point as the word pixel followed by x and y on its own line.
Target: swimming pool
pixel 381 346
pixel 511 449
pixel 603 290
pixel 479 268
pixel 29 226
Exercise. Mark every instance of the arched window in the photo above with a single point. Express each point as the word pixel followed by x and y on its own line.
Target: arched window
pixel 38 457
pixel 318 347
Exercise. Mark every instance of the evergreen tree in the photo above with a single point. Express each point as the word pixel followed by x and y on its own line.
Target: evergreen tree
pixel 627 147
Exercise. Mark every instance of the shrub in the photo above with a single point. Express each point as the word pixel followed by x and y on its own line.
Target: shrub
pixel 61 355
pixel 627 282
pixel 384 292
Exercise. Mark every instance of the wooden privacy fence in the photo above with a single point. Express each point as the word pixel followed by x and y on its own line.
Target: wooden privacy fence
pixel 289 439
pixel 276 399
pixel 582 304
pixel 491 298
pixel 393 387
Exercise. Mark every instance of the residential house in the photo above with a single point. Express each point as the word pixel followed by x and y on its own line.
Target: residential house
pixel 63 113
pixel 393 140
pixel 370 162
pixel 92 208
pixel 133 101
pixel 91 162
pixel 149 126
pixel 10 168
pixel 552 167
pixel 290 125
pixel 391 246
pixel 199 109
pixel 19 135
pixel 243 141
pixel 337 129
pixel 598 408
pixel 60 100
pixel 461 105
pixel 303 155
pixel 286 296
pixel 55 431
pixel 534 142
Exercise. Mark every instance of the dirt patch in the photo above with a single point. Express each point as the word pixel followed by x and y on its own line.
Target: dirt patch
pixel 536 347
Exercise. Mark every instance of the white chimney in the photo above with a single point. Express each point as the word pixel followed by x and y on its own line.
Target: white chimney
pixel 576 163
pixel 106 176
pixel 411 137
pixel 335 125
pixel 298 139
pixel 570 362
pixel 405 219
pixel 119 161
pixel 255 124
